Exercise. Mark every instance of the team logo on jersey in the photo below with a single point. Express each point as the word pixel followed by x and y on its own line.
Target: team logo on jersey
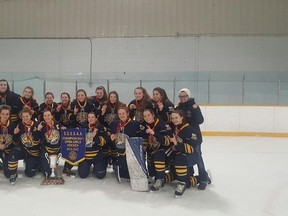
pixel 53 138
pixel 27 140
pixel 142 127
pixel 138 116
pixel 194 137
pixel 82 117
pixel 110 117
pixel 64 118
pixel 6 140
pixel 168 127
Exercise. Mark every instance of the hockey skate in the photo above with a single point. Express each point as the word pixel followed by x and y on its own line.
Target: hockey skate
pixel 13 179
pixel 157 185
pixel 180 189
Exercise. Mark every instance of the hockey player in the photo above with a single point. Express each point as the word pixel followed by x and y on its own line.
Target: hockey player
pixel 180 155
pixel 96 138
pixel 6 137
pixel 26 100
pixel 49 132
pixel 119 130
pixel 108 109
pixel 162 106
pixel 194 118
pixel 81 106
pixel 63 115
pixel 49 104
pixel 106 114
pixel 142 101
pixel 28 147
pixel 101 96
pixel 7 97
pixel 156 135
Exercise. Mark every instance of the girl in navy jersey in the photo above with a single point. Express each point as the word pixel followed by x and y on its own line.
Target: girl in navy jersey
pixel 119 130
pixel 27 101
pixel 96 138
pixel 6 137
pixel 81 106
pixel 162 106
pixel 100 96
pixel 28 147
pixel 49 133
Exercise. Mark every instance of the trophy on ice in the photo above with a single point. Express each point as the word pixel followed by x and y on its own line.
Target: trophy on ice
pixel 54 178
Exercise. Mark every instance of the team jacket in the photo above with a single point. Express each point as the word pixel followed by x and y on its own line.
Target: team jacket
pixel 95 144
pixel 80 119
pixel 161 138
pixel 186 138
pixel 27 139
pixel 164 114
pixel 138 112
pixel 194 116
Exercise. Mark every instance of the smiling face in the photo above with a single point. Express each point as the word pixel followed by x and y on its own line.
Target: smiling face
pixel 183 97
pixel 92 118
pixel 4 115
pixel 27 93
pixel 148 116
pixel 123 115
pixel 156 96
pixel 99 93
pixel 113 98
pixel 138 94
pixel 176 119
pixel 65 99
pixel 3 86
pixel 48 117
pixel 81 96
pixel 26 117
pixel 49 98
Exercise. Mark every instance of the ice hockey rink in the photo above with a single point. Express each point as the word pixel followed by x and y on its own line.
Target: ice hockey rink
pixel 250 177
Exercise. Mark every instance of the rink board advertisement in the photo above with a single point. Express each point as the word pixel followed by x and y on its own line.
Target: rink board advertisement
pixel 73 145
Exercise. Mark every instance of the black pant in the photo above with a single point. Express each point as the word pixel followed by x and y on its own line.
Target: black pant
pixel 30 162
pixel 99 168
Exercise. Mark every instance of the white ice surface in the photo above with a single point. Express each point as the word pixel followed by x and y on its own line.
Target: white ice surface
pixel 250 177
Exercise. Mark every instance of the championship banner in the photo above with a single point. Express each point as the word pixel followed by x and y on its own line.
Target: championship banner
pixel 136 164
pixel 73 145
